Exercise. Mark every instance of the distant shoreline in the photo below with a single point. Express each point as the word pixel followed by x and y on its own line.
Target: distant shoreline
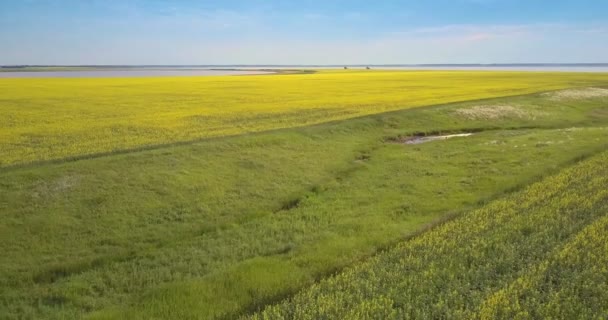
pixel 184 70
pixel 130 73
pixel 232 66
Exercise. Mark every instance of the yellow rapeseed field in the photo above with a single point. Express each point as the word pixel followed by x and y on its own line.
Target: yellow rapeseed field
pixel 46 119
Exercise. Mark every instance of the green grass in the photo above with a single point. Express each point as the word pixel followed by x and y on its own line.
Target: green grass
pixel 538 254
pixel 222 227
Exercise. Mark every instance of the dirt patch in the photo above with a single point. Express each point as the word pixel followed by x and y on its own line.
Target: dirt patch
pixel 423 139
pixel 494 112
pixel 60 185
pixel 577 94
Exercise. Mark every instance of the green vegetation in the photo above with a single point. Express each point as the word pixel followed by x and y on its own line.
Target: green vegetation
pixel 571 283
pixel 222 227
pixel 527 256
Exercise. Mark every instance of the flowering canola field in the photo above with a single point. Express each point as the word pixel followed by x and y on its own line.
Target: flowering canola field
pixel 51 119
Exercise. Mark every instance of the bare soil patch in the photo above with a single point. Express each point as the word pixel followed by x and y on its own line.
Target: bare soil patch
pixel 58 186
pixel 493 112
pixel 577 94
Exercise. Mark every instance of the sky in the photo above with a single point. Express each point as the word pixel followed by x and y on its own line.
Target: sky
pixel 167 32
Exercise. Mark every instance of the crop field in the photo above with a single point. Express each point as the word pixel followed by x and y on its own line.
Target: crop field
pixel 305 196
pixel 540 254
pixel 67 118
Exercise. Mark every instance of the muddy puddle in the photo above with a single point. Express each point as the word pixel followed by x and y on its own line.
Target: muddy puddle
pixel 423 139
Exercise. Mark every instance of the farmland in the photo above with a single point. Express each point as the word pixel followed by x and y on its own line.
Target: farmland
pixel 67 118
pixel 282 196
pixel 539 253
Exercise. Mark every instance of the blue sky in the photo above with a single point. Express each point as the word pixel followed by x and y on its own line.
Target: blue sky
pixel 302 32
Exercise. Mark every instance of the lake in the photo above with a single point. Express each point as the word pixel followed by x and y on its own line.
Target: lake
pixel 127 73
pixel 191 71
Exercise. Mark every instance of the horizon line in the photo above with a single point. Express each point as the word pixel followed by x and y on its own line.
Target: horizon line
pixel 314 65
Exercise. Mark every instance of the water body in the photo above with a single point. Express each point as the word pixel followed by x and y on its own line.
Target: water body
pixel 127 73
pixel 185 71
pixel 539 68
pixel 419 140
pixel 513 68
